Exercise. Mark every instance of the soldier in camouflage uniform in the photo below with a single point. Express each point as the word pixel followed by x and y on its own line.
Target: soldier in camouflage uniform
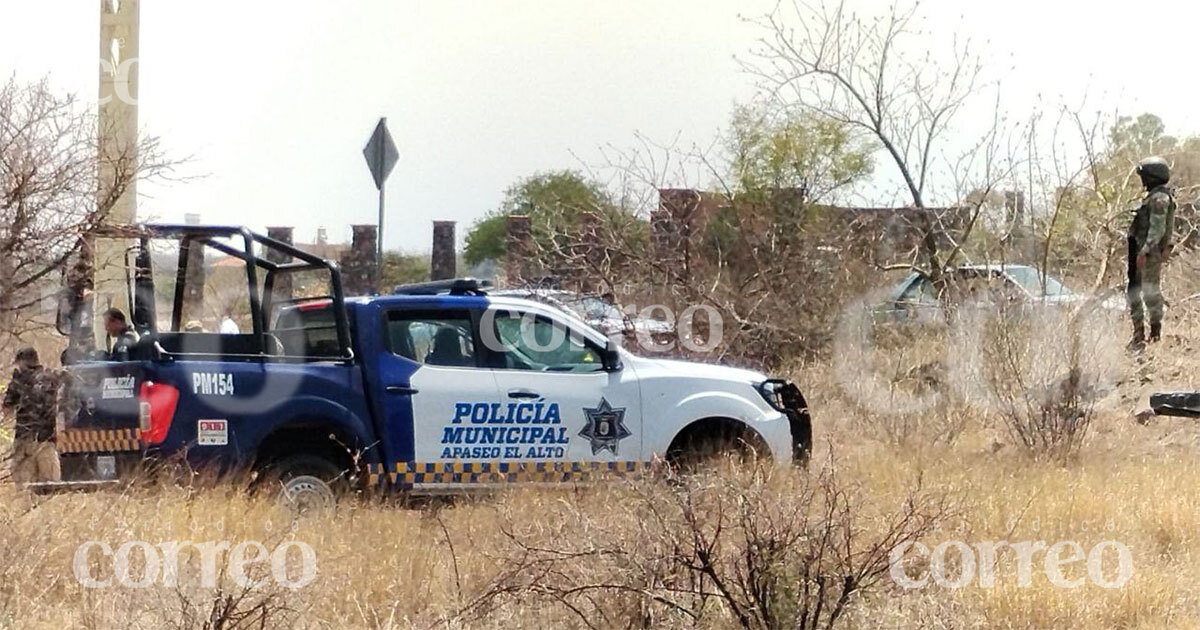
pixel 1149 244
pixel 32 397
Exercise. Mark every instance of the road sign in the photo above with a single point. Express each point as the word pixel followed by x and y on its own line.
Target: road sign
pixel 381 157
pixel 381 153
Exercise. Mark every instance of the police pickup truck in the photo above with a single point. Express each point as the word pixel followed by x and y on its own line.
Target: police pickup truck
pixel 437 387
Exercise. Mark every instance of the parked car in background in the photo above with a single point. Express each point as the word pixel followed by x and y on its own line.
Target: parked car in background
pixel 598 312
pixel 916 300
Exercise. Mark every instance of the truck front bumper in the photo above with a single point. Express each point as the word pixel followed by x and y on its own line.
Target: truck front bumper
pixel 799 421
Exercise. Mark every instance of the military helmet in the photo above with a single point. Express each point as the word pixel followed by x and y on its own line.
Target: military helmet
pixel 1154 168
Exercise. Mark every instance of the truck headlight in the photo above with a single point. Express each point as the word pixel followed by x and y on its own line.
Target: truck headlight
pixel 770 390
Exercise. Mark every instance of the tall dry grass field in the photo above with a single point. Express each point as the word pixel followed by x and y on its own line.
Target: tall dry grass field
pixel 748 546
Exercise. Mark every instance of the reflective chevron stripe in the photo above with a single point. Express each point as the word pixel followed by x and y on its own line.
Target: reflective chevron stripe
pixel 405 474
pixel 106 440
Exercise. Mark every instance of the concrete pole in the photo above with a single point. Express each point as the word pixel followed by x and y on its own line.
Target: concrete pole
pixel 117 140
pixel 119 54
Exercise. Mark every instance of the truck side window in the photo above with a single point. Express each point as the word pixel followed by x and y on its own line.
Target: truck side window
pixel 308 330
pixel 442 338
pixel 536 343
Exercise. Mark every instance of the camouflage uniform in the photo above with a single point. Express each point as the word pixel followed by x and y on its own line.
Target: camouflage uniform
pixel 32 396
pixel 1149 239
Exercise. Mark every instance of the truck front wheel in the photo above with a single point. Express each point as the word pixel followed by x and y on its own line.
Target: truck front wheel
pixel 708 443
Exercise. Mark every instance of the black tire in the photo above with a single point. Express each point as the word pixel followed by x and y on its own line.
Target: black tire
pixel 708 451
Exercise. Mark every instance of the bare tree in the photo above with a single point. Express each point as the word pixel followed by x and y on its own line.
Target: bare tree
pixel 862 72
pixel 56 187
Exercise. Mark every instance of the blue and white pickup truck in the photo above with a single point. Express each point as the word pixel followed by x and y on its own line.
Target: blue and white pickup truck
pixel 435 388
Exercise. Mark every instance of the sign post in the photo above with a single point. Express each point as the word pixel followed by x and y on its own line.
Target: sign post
pixel 381 157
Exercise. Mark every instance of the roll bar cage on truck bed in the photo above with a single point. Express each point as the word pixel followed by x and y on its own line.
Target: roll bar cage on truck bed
pixel 117 412
pixel 75 313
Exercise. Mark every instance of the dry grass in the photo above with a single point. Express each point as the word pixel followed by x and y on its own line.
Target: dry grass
pixel 506 560
pixel 390 567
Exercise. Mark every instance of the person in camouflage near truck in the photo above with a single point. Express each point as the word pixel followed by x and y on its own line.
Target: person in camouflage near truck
pixel 32 397
pixel 1149 245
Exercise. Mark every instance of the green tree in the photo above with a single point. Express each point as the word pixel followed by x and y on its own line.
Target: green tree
pixel 554 201
pixel 773 149
pixel 399 268
pixel 783 164
pixel 1144 135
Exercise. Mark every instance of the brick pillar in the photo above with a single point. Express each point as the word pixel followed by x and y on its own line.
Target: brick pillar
pixel 443 261
pixel 283 282
pixel 519 249
pixel 671 227
pixel 662 231
pixel 1022 232
pixel 360 273
pixel 675 209
pixel 193 289
pixel 588 254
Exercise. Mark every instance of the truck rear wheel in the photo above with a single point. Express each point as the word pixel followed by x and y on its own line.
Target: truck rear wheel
pixel 307 483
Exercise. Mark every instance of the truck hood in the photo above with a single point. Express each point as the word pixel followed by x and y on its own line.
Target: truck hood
pixel 653 367
pixel 1072 299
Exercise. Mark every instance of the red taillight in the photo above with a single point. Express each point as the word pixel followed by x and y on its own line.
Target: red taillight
pixel 313 306
pixel 161 400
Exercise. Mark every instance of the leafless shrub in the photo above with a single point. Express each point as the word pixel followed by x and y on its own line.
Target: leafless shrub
pixel 1045 373
pixel 231 606
pixel 750 549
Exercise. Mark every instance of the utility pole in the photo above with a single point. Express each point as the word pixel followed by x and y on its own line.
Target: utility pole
pixel 120 25
pixel 117 137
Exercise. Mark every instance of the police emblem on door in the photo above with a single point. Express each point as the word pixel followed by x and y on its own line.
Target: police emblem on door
pixel 604 427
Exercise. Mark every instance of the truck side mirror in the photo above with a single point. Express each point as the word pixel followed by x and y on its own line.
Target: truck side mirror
pixel 611 357
pixel 73 317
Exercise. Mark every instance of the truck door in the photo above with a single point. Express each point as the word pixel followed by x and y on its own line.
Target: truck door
pixel 552 380
pixel 430 371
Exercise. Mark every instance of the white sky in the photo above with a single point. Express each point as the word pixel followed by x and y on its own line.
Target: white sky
pixel 274 99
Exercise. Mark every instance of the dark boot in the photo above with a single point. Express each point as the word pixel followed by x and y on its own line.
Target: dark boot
pixel 1139 337
pixel 1155 332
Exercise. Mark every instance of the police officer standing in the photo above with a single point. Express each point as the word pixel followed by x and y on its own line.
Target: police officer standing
pixel 1149 244
pixel 123 335
pixel 32 397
